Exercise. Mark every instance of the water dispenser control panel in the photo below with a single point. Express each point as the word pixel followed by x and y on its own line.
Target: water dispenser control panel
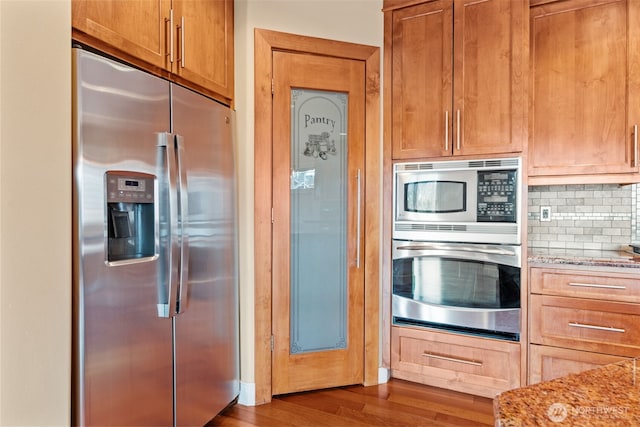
pixel 129 189
pixel 130 216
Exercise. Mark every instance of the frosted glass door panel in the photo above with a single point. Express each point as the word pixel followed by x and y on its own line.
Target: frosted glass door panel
pixel 318 221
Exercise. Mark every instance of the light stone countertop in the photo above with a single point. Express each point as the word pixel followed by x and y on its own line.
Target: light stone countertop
pixel 605 396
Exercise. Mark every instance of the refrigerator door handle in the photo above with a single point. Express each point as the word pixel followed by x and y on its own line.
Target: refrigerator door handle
pixel 183 212
pixel 169 232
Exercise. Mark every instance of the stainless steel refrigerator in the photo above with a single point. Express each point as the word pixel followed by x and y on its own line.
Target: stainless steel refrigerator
pixel 155 250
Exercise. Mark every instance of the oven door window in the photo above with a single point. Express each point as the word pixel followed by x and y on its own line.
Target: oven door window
pixel 457 283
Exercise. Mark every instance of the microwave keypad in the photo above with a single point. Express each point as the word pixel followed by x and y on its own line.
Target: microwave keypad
pixel 497 196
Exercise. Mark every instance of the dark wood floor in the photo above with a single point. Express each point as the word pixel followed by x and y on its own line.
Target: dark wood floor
pixel 397 403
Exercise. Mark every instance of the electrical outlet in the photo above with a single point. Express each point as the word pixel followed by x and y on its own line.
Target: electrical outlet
pixel 545 213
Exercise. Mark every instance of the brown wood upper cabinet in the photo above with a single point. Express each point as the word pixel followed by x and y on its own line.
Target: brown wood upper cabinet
pixel 585 88
pixel 188 41
pixel 458 77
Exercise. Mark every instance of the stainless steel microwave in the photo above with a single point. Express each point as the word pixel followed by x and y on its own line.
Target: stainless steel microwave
pixel 476 201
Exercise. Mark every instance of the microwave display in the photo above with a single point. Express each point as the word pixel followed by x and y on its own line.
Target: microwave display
pixel 497 192
pixel 435 196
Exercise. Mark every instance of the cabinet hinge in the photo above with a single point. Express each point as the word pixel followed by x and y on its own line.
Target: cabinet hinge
pixel 272 87
pixel 271 215
pixel 272 343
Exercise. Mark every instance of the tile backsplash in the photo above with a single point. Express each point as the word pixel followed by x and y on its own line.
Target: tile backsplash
pixel 589 216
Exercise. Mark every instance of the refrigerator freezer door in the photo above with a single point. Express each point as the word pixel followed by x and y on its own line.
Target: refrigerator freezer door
pixel 122 349
pixel 207 372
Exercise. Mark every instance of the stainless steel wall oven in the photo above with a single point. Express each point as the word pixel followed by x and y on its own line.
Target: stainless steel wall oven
pixel 456 248
pixel 460 287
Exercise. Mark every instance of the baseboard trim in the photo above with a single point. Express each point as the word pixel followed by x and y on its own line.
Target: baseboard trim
pixel 247 395
pixel 383 375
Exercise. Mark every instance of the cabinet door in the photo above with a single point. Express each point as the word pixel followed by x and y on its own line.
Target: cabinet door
pixel 489 76
pixel 204 43
pixel 584 324
pixel 422 80
pixel 136 27
pixel 547 363
pixel 584 83
pixel 480 366
pixel 602 285
pixel 462 99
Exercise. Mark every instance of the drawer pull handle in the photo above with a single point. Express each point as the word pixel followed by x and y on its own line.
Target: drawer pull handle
pixel 453 359
pixel 593 285
pixel 600 328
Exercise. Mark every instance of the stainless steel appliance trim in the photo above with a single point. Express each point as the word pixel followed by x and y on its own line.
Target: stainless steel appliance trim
pixel 173 242
pixel 131 261
pixel 498 233
pixel 163 288
pixel 183 212
pixel 497 250
pixel 505 320
pixel 499 254
pixel 510 162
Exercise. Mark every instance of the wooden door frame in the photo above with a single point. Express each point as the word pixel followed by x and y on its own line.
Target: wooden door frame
pixel 265 42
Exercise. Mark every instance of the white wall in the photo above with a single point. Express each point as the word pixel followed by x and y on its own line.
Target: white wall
pixel 35 212
pixel 355 21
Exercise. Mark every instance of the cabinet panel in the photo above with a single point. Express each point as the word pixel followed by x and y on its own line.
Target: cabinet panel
pixel 547 363
pixel 422 80
pixel 483 367
pixel 606 286
pixel 137 27
pixel 584 83
pixel 582 324
pixel 205 43
pixel 489 80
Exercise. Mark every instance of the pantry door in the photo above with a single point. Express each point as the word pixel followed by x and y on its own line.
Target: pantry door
pixel 318 180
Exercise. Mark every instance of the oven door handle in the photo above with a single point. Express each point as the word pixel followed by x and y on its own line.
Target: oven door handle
pixel 426 246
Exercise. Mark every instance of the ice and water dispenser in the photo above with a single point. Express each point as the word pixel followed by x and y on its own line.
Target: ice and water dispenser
pixel 130 215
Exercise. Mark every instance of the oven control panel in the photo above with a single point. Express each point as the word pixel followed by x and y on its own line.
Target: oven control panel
pixel 497 196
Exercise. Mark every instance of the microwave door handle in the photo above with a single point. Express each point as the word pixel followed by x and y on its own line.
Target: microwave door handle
pixel 427 246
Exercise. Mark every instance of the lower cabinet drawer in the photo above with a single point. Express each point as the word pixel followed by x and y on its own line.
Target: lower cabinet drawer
pixel 479 366
pixel 582 324
pixel 613 286
pixel 547 363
